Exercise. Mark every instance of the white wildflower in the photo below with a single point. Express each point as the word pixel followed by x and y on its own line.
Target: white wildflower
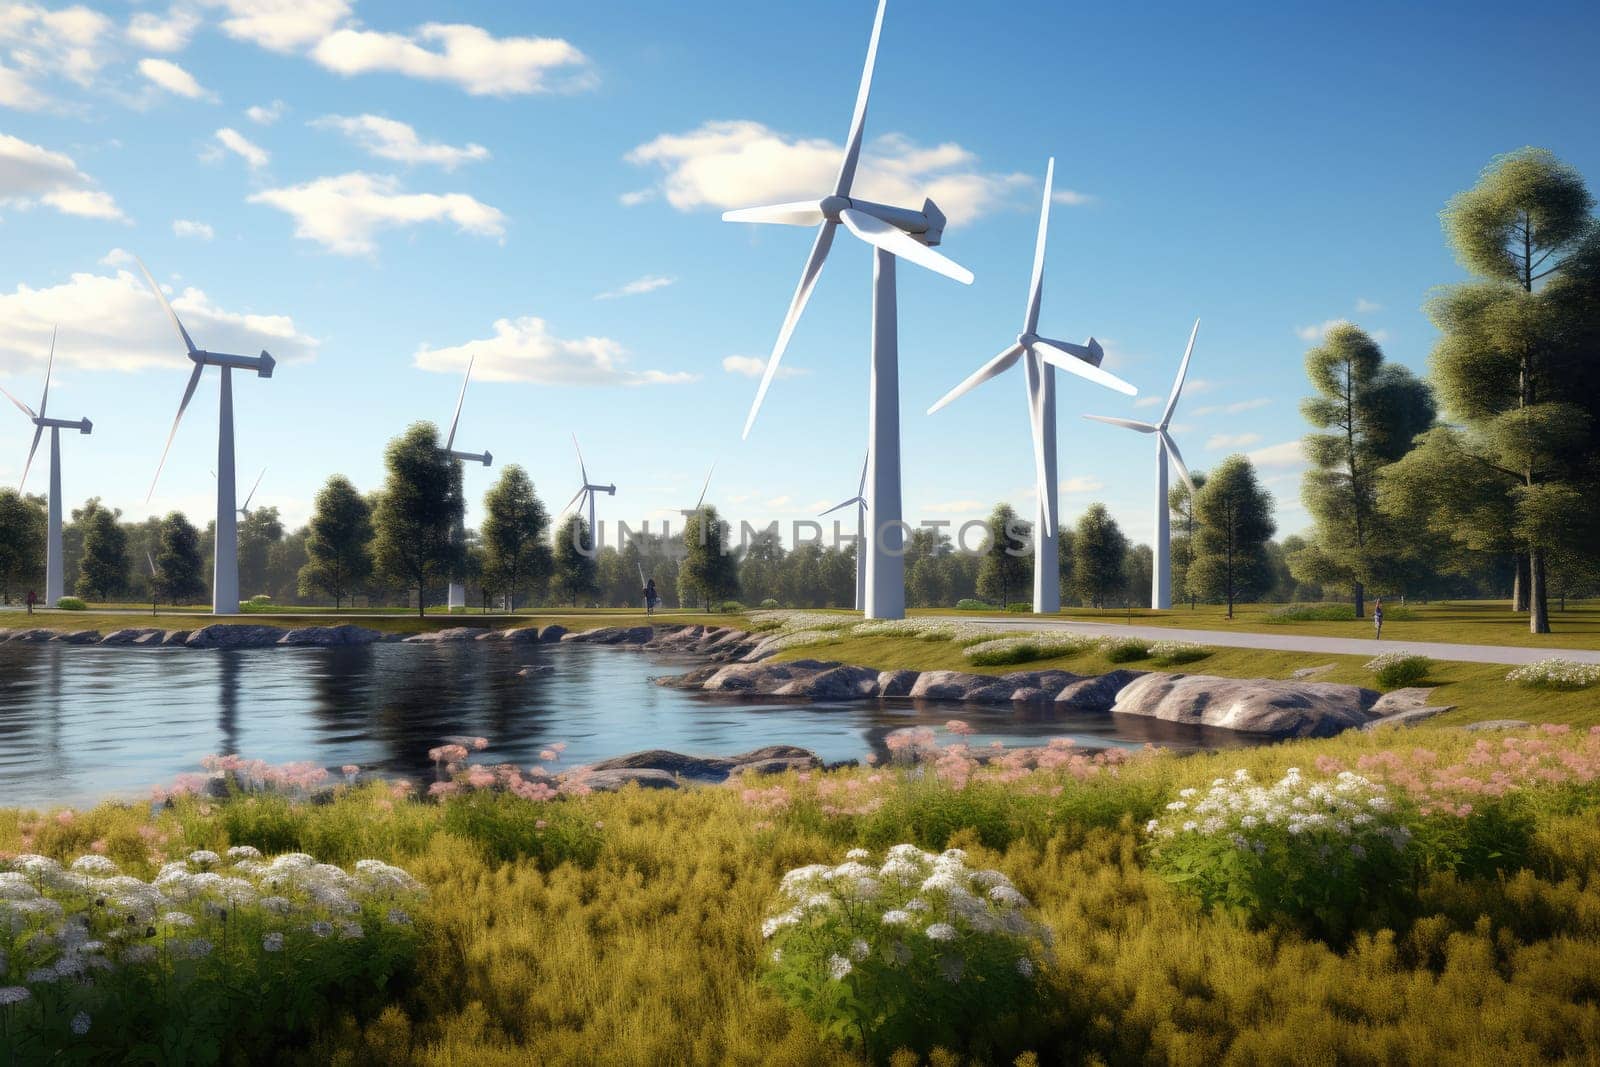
pixel 838 967
pixel 941 932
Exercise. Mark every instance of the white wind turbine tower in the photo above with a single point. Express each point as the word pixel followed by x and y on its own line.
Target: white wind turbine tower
pixel 458 590
pixel 53 587
pixel 860 502
pixel 1161 581
pixel 1041 356
pixel 225 576
pixel 893 232
pixel 589 490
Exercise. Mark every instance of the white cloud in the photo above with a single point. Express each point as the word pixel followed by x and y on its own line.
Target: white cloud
pixel 648 284
pixel 167 75
pixel 241 146
pixel 31 174
pixel 730 164
pixel 1287 454
pixel 1149 400
pixel 392 139
pixel 282 25
pixel 157 34
pixel 466 56
pixel 1317 331
pixel 1367 307
pixel 190 228
pixel 637 197
pixel 1082 483
pixel 524 350
pixel 1232 440
pixel 755 367
pixel 344 212
pixel 1072 198
pixel 17 93
pixel 68 42
pixel 1238 407
pixel 266 114
pixel 113 322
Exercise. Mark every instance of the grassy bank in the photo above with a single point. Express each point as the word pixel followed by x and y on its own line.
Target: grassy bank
pixel 388 621
pixel 637 937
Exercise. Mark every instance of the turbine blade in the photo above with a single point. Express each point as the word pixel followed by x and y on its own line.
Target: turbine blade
pixel 1036 288
pixel 1035 384
pixel 152 561
pixel 897 242
pixel 998 365
pixel 581 468
pixel 858 120
pixel 253 488
pixel 705 486
pixel 1091 353
pixel 797 213
pixel 50 365
pixel 173 315
pixel 836 507
pixel 1057 357
pixel 1177 458
pixel 1183 370
pixel 188 394
pixel 1129 424
pixel 576 497
pixel 862 490
pixel 802 294
pixel 38 432
pixel 25 409
pixel 461 398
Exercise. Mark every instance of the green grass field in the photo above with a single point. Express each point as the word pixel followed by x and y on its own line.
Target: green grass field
pixel 388 621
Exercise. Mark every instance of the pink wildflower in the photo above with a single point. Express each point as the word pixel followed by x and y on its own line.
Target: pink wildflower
pixel 443 789
pixel 957 726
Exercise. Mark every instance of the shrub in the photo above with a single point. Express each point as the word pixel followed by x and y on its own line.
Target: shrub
pixel 769 603
pixel 261 600
pixel 731 607
pixel 1172 653
pixel 1325 856
pixel 215 953
pixel 1024 648
pixel 1556 673
pixel 1125 649
pixel 71 603
pixel 1020 607
pixel 1396 669
pixel 508 828
pixel 1313 613
pixel 968 604
pixel 920 951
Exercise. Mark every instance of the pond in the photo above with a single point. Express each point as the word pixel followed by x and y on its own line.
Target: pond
pixel 78 724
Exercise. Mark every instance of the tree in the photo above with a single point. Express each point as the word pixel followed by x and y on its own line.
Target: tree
pixel 1098 550
pixel 1138 566
pixel 1180 501
pixel 339 544
pixel 179 578
pixel 1370 412
pixel 22 535
pixel 259 532
pixel 103 568
pixel 926 578
pixel 1515 366
pixel 1235 516
pixel 417 516
pixel 1007 564
pixel 709 573
pixel 575 572
pixel 514 535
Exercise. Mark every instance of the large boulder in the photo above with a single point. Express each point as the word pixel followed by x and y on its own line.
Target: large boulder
pixel 132 636
pixel 612 781
pixel 33 636
pixel 1255 706
pixel 521 635
pixel 897 683
pixel 1094 694
pixel 450 635
pixel 614 635
pixel 833 683
pixel 953 685
pixel 79 637
pixel 174 638
pixel 329 636
pixel 772 759
pixel 234 635
pixel 553 632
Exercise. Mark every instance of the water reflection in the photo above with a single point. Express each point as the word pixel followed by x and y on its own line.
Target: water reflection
pixel 77 724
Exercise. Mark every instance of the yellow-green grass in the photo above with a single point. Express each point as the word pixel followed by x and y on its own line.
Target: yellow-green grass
pixel 653 955
pixel 1458 622
pixel 1477 691
pixel 572 619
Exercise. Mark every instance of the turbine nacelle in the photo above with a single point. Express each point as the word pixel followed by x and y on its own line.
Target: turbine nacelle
pixel 485 458
pixel 262 364
pixel 927 225
pixel 81 425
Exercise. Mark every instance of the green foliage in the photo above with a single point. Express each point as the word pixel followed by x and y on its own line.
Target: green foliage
pixel 1125 649
pixel 769 604
pixel 509 829
pixel 969 604
pixel 1007 563
pixel 1396 669
pixel 731 607
pixel 103 567
pixel 1312 613
pixel 178 578
pixel 1098 550
pixel 514 536
pixel 1176 653
pixel 338 544
pixel 418 515
pixel 71 603
pixel 1020 607
pixel 574 571
pixel 709 573
pixel 22 537
pixel 1235 520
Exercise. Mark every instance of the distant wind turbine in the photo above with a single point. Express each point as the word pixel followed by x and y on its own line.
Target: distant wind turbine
pixel 1166 447
pixel 860 502
pixel 1041 356
pixel 225 576
pixel 894 233
pixel 458 590
pixel 53 579
pixel 588 490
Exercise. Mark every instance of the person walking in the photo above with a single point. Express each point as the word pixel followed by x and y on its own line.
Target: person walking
pixel 33 598
pixel 1377 618
pixel 651 597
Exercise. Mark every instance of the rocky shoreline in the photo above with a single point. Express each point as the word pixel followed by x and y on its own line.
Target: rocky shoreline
pixel 738 666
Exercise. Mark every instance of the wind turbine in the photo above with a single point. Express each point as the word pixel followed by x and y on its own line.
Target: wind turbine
pixel 893 232
pixel 244 509
pixel 1041 356
pixel 860 501
pixel 458 590
pixel 589 490
pixel 53 583
pixel 225 576
pixel 1161 581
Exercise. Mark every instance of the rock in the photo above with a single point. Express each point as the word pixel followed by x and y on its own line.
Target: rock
pixel 1497 724
pixel 79 637
pixel 897 683
pixel 1397 700
pixel 835 683
pixel 1311 672
pixel 173 638
pixel 33 636
pixel 695 679
pixel 1256 706
pixel 772 759
pixel 449 635
pixel 1030 694
pixel 775 766
pixel 521 635
pixel 949 685
pixel 151 638
pixel 529 672
pixel 1406 718
pixel 135 636
pixel 614 635
pixel 612 781
pixel 329 636
pixel 1051 681
pixel 1094 694
pixel 229 635
pixel 553 632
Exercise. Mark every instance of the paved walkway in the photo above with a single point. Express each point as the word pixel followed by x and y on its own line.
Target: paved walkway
pixel 1288 642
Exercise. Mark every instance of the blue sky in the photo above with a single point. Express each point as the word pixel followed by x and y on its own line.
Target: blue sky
pixel 374 191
